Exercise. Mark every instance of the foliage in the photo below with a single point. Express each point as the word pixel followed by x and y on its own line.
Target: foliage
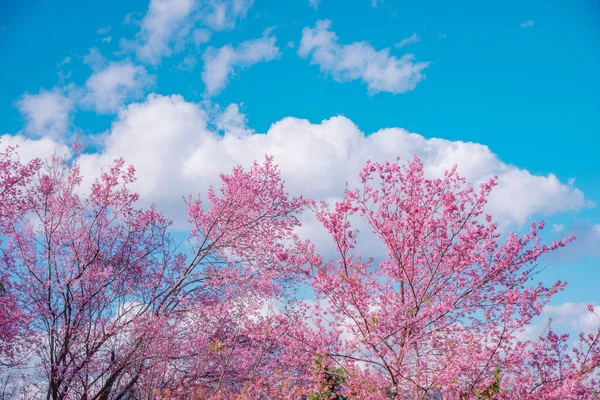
pixel 330 382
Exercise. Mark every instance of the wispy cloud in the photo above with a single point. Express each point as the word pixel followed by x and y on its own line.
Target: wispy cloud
pixel 314 3
pixel 65 61
pixel 103 31
pixel 170 24
pixel 95 59
pixel 187 64
pixel 223 14
pixel 381 71
pixel 527 24
pixel 200 36
pixel 160 27
pixel 414 38
pixel 221 63
pixel 558 228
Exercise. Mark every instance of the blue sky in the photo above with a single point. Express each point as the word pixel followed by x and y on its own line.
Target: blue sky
pixel 520 77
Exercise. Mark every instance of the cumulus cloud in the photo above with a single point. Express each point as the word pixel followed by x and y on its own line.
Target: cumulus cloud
pixel 232 122
pixel 168 24
pixel 550 196
pixel 528 24
pixel 47 113
pixel 306 150
pixel 28 149
pixel 179 148
pixel 381 71
pixel 314 3
pixel 110 87
pixel 221 63
pixel 414 38
pixel 164 132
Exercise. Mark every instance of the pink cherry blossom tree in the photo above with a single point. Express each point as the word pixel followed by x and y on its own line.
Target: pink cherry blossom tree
pixel 14 202
pixel 116 310
pixel 441 314
pixel 99 301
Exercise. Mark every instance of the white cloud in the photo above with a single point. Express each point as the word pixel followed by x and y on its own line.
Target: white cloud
pixel 381 71
pixel 164 132
pixel 168 131
pixel 314 4
pixel 222 14
pixel 575 314
pixel 221 63
pixel 95 59
pixel 175 146
pixel 374 3
pixel 550 195
pixel 110 87
pixel 414 38
pixel 232 122
pixel 107 39
pixel 28 149
pixel 187 64
pixel 47 113
pixel 200 36
pixel 528 24
pixel 160 26
pixel 168 24
pixel 573 318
